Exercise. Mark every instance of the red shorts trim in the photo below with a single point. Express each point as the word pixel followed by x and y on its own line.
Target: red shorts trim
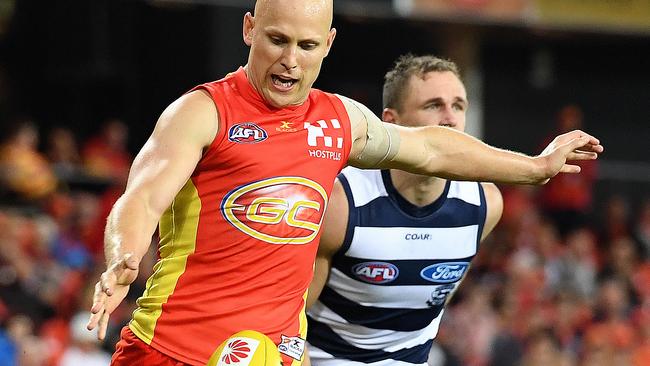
pixel 132 351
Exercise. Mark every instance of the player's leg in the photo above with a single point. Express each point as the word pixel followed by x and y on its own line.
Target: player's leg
pixel 132 351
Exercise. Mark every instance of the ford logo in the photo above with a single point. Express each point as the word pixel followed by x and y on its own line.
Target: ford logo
pixel 445 272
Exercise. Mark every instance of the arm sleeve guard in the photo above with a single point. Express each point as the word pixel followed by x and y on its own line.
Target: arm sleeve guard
pixel 382 139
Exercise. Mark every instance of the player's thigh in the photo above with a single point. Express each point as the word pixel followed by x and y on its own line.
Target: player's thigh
pixel 132 351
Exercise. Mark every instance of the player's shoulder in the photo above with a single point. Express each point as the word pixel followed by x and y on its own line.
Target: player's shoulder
pixel 364 185
pixel 193 114
pixel 494 203
pixel 492 194
pixel 491 190
pixel 469 192
pixel 197 104
pixel 353 107
pixel 360 176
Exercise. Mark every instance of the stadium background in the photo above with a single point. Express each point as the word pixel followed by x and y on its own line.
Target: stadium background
pixel 555 284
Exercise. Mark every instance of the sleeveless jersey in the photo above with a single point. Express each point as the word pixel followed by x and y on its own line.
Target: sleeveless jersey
pixel 238 243
pixel 398 265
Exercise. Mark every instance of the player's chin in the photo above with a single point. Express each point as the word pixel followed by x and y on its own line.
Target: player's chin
pixel 281 100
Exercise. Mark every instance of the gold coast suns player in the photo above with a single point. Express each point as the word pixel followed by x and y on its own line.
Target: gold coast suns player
pixel 237 174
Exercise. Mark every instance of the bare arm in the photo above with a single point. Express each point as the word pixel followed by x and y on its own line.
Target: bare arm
pixel 333 234
pixel 494 203
pixel 452 154
pixel 159 171
pixel 306 360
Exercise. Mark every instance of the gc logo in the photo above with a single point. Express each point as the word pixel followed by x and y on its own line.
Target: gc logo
pixel 280 210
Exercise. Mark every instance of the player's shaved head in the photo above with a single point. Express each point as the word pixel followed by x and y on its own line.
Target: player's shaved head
pixel 312 9
pixel 288 41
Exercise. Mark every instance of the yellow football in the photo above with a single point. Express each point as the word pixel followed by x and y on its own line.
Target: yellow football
pixel 246 348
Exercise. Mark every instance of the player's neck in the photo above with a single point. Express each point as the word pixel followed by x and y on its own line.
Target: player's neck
pixel 419 190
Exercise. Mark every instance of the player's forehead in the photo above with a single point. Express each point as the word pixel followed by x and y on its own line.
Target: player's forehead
pixel 309 18
pixel 436 84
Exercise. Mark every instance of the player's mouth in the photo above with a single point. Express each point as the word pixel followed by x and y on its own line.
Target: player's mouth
pixel 283 83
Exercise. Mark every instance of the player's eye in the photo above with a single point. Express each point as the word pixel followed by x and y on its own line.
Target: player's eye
pixel 277 40
pixel 307 46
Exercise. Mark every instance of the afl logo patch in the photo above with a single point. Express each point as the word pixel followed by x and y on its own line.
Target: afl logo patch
pixel 247 133
pixel 375 272
pixel 280 210
pixel 445 272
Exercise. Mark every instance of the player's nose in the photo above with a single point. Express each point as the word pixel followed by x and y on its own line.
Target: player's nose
pixel 289 60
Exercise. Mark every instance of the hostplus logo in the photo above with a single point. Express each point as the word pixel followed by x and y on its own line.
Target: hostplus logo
pixel 318 136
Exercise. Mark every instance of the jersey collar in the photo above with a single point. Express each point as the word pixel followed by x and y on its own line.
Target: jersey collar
pixel 246 89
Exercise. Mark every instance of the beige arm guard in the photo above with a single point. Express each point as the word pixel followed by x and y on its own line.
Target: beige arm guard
pixel 382 139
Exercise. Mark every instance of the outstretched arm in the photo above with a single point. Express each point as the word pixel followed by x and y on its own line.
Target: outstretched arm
pixel 159 171
pixel 451 154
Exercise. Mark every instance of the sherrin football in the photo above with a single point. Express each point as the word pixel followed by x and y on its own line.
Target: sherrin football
pixel 246 348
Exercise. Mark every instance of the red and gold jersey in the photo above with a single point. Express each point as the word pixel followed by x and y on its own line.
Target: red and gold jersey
pixel 238 242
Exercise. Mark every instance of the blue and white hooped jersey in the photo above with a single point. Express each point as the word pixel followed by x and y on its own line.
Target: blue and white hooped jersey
pixel 398 265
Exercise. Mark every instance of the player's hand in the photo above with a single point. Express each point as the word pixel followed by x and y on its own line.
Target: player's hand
pixel 574 145
pixel 111 289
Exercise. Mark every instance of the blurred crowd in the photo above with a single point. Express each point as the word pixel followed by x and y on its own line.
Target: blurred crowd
pixel 55 194
pixel 538 297
pixel 563 280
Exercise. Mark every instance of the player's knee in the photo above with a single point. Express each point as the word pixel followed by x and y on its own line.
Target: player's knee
pixel 247 347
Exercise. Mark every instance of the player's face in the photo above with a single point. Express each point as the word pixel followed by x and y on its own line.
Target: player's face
pixel 438 99
pixel 288 41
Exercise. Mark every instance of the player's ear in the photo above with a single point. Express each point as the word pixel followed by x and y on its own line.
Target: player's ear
pixel 330 40
pixel 249 24
pixel 389 115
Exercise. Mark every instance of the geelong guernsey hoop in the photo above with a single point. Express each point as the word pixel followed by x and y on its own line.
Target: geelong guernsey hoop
pixel 399 263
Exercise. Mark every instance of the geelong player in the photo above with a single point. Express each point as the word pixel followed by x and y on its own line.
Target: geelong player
pixel 396 245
